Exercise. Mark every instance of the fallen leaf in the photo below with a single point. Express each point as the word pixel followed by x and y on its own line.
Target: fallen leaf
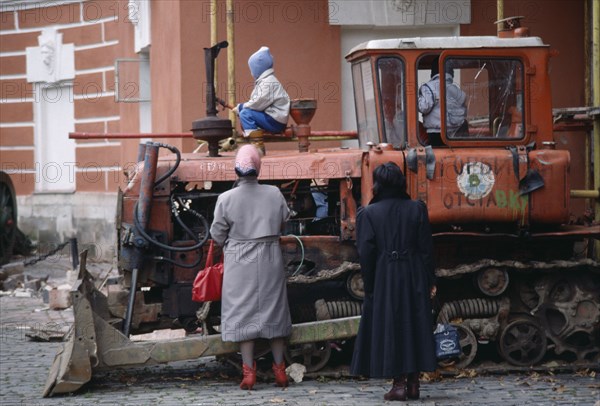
pixel 586 372
pixel 467 373
pixel 432 376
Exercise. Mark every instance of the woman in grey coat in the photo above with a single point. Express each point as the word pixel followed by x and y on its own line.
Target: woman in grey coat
pixel 247 222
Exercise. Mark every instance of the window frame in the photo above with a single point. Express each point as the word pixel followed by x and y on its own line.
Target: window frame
pixel 379 96
pixel 362 136
pixel 499 54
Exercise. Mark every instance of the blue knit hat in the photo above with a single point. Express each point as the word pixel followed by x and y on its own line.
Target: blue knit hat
pixel 260 61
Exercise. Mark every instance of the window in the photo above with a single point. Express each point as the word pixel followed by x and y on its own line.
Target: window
pixel 391 89
pixel 484 98
pixel 364 99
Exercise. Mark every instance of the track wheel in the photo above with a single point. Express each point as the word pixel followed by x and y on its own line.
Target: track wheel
pixel 354 285
pixel 313 356
pixel 522 342
pixel 468 346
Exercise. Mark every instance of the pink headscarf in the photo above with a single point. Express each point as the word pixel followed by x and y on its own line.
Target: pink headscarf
pixel 247 161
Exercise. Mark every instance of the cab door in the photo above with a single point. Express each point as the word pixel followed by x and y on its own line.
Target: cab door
pixel 480 175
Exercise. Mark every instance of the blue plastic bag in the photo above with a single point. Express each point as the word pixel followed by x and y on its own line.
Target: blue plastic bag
pixel 447 342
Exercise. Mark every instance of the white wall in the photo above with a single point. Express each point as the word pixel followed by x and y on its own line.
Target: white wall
pixel 53 218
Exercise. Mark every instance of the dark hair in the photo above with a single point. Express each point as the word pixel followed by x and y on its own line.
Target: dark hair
pixel 435 68
pixel 389 179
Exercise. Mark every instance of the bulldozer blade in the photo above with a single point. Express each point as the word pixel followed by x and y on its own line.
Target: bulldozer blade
pixel 72 366
pixel 70 370
pixel 95 344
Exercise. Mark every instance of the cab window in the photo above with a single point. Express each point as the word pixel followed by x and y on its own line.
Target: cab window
pixel 364 101
pixel 483 98
pixel 390 73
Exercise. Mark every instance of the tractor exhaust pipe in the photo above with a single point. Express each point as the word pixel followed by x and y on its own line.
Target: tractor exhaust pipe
pixel 144 205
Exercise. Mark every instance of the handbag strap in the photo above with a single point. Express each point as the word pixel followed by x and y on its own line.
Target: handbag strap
pixel 209 256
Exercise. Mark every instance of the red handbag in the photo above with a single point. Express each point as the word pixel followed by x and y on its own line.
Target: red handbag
pixel 209 281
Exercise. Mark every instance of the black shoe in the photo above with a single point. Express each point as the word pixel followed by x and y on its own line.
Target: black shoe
pixel 412 388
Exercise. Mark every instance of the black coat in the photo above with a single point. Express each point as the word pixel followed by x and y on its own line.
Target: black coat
pixel 395 247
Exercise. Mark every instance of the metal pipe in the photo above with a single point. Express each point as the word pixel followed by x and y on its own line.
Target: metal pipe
pixel 122 136
pixel 231 63
pixel 74 253
pixel 499 14
pixel 577 126
pixel 213 36
pixel 130 302
pixel 585 194
pixel 147 185
pixel 143 207
pixel 325 133
pixel 317 138
pixel 209 64
pixel 347 134
pixel 587 164
pixel 331 135
pixel 596 94
pixel 141 152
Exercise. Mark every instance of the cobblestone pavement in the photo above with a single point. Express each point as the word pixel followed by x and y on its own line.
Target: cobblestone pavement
pixel 24 366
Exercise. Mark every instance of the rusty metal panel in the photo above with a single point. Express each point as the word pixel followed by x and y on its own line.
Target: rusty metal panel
pixel 371 161
pixel 330 164
pixel 327 251
pixel 550 204
pixel 347 210
pixel 135 179
pixel 181 274
pixel 161 214
pixel 474 185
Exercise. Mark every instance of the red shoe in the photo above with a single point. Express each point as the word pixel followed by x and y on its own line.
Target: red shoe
pixel 249 376
pixel 280 376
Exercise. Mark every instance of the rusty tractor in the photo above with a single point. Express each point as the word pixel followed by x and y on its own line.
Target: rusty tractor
pixel 498 195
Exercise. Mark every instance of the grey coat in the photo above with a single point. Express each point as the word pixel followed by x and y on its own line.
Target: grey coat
pixel 247 223
pixel 270 96
pixel 429 105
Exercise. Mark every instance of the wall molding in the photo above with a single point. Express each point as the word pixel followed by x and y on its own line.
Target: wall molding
pixel 18 5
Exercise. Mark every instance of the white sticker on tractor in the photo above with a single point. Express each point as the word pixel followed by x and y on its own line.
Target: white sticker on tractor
pixel 476 180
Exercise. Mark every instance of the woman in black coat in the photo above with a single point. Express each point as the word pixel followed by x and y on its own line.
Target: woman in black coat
pixel 395 337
